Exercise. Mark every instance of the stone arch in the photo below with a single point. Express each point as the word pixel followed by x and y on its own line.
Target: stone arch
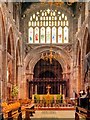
pixel 88 45
pixel 10 60
pixel 10 40
pixel 84 52
pixel 84 41
pixel 78 65
pixel 18 51
pixel 33 63
pixel 53 68
pixel 32 59
pixel 78 48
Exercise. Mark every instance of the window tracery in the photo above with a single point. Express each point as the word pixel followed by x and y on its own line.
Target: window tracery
pixel 48 26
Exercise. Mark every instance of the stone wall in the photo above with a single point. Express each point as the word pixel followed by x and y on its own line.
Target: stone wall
pixel 9 37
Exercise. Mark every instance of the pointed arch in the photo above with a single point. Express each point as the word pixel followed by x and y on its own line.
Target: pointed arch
pixel 85 42
pixel 54 21
pixel 10 42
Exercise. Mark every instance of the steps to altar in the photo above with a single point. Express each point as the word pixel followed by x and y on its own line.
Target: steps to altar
pixel 54 115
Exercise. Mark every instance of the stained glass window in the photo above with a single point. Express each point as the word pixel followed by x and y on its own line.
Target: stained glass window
pixel 60 35
pixel 62 15
pixel 48 26
pixel 48 34
pixel 29 24
pixel 42 35
pixel 36 37
pixel 65 34
pixel 30 35
pixel 54 35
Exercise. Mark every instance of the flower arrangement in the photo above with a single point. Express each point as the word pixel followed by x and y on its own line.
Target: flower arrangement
pixel 59 99
pixel 36 98
pixel 48 99
pixel 14 91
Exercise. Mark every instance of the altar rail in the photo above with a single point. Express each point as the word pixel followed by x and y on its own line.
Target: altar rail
pixel 57 104
pixel 82 113
pixel 45 97
pixel 52 100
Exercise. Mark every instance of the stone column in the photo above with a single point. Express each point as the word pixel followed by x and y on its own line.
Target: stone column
pixel 20 81
pixel 60 89
pixel 44 88
pixel 23 86
pixel 35 89
pixel 89 18
pixel 64 89
pixel 32 89
pixel 78 79
pixel 89 75
pixel 0 78
pixel 4 74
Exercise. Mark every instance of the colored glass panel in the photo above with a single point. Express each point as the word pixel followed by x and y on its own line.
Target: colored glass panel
pixel 50 23
pixel 54 35
pixel 48 34
pixel 65 34
pixel 36 37
pixel 30 33
pixel 42 35
pixel 60 35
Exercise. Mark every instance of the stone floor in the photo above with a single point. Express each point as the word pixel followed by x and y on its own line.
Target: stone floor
pixel 54 115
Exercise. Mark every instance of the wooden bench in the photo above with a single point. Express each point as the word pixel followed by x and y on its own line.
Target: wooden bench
pixel 11 111
pixel 16 109
pixel 29 110
pixel 82 113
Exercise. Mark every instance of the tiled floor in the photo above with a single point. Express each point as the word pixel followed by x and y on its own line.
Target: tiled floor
pixel 54 115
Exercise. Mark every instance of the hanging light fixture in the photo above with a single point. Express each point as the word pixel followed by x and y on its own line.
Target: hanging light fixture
pixel 51 2
pixel 50 55
pixel 58 2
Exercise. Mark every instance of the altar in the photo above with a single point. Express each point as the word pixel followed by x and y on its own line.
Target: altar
pixel 48 86
pixel 47 98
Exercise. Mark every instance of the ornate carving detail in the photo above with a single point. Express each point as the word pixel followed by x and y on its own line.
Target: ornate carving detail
pixel 68 48
pixel 28 48
pixel 68 67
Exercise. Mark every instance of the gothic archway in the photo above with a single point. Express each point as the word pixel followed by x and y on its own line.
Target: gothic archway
pixel 78 63
pixel 46 74
pixel 34 55
pixel 10 63
pixel 43 69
